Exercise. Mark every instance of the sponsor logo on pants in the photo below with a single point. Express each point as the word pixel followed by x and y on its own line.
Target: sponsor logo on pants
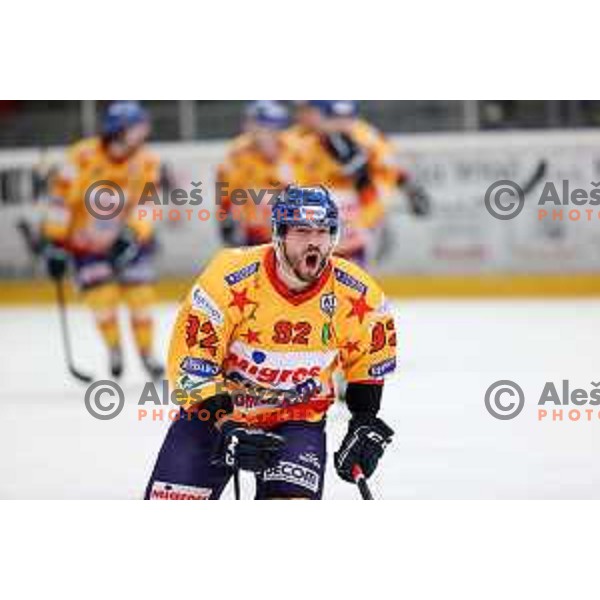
pixel 174 491
pixel 293 473
pixel 310 458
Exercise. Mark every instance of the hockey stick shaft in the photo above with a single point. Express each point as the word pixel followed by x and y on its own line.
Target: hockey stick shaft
pixel 361 483
pixel 236 483
pixel 62 309
pixel 535 178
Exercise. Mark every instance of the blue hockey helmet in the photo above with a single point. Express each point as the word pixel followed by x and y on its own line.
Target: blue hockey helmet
pixel 268 113
pixel 121 115
pixel 336 108
pixel 304 206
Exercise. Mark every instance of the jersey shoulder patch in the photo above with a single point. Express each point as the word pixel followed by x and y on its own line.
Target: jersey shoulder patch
pixel 234 265
pixel 355 279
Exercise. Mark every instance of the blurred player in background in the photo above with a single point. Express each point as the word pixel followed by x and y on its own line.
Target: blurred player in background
pixel 308 119
pixel 111 254
pixel 260 161
pixel 357 162
pixel 253 352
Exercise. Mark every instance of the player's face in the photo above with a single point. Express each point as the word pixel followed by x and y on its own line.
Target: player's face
pixel 118 149
pixel 267 141
pixel 307 250
pixel 129 141
pixel 308 116
pixel 339 124
pixel 136 135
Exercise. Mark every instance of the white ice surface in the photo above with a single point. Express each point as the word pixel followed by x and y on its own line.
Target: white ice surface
pixel 447 445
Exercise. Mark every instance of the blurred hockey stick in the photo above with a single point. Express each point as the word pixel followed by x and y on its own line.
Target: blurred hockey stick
pixel 35 246
pixel 361 482
pixel 62 308
pixel 535 177
pixel 32 241
pixel 387 238
pixel 527 186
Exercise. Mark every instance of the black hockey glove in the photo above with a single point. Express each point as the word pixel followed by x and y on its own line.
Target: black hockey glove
pixel 354 161
pixel 57 261
pixel 420 204
pixel 363 445
pixel 124 250
pixel 228 231
pixel 249 449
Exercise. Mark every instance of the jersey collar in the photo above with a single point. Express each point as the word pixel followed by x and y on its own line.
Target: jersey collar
pixel 292 297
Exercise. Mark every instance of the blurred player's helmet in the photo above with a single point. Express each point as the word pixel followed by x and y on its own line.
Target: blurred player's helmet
pixel 306 207
pixel 268 114
pixel 121 115
pixel 336 108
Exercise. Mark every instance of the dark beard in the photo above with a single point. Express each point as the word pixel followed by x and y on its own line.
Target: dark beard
pixel 310 278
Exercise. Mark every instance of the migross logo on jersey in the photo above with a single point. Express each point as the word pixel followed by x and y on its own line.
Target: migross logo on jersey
pixel 273 375
pixel 242 273
pixel 199 367
pixel 203 302
pixel 349 281
pixel 382 368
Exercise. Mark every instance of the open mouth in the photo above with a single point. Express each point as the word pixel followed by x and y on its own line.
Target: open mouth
pixel 312 260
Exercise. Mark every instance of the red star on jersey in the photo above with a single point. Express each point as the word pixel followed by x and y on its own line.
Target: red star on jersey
pixel 351 347
pixel 240 299
pixel 359 308
pixel 251 336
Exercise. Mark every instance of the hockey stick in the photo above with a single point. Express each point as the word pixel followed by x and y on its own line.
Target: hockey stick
pixel 32 241
pixel 527 186
pixel 535 178
pixel 236 483
pixel 361 482
pixel 35 246
pixel 62 308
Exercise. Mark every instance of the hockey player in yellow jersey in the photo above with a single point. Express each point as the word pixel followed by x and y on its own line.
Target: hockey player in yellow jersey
pixel 357 162
pixel 93 225
pixel 253 353
pixel 260 162
pixel 308 120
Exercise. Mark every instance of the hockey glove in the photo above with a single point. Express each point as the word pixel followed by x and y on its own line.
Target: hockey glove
pixel 124 250
pixel 249 449
pixel 363 445
pixel 57 261
pixel 420 204
pixel 229 231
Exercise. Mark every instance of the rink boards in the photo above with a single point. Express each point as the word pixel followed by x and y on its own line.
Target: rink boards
pixel 15 292
pixel 461 249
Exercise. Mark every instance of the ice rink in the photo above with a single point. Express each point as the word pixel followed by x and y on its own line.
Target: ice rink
pixel 446 446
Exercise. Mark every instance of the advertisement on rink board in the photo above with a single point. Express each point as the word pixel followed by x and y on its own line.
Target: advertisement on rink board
pixel 456 170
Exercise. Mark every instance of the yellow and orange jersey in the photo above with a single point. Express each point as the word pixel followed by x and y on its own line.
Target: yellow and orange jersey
pixel 367 207
pixel 384 165
pixel 70 222
pixel 297 134
pixel 240 330
pixel 362 207
pixel 247 171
